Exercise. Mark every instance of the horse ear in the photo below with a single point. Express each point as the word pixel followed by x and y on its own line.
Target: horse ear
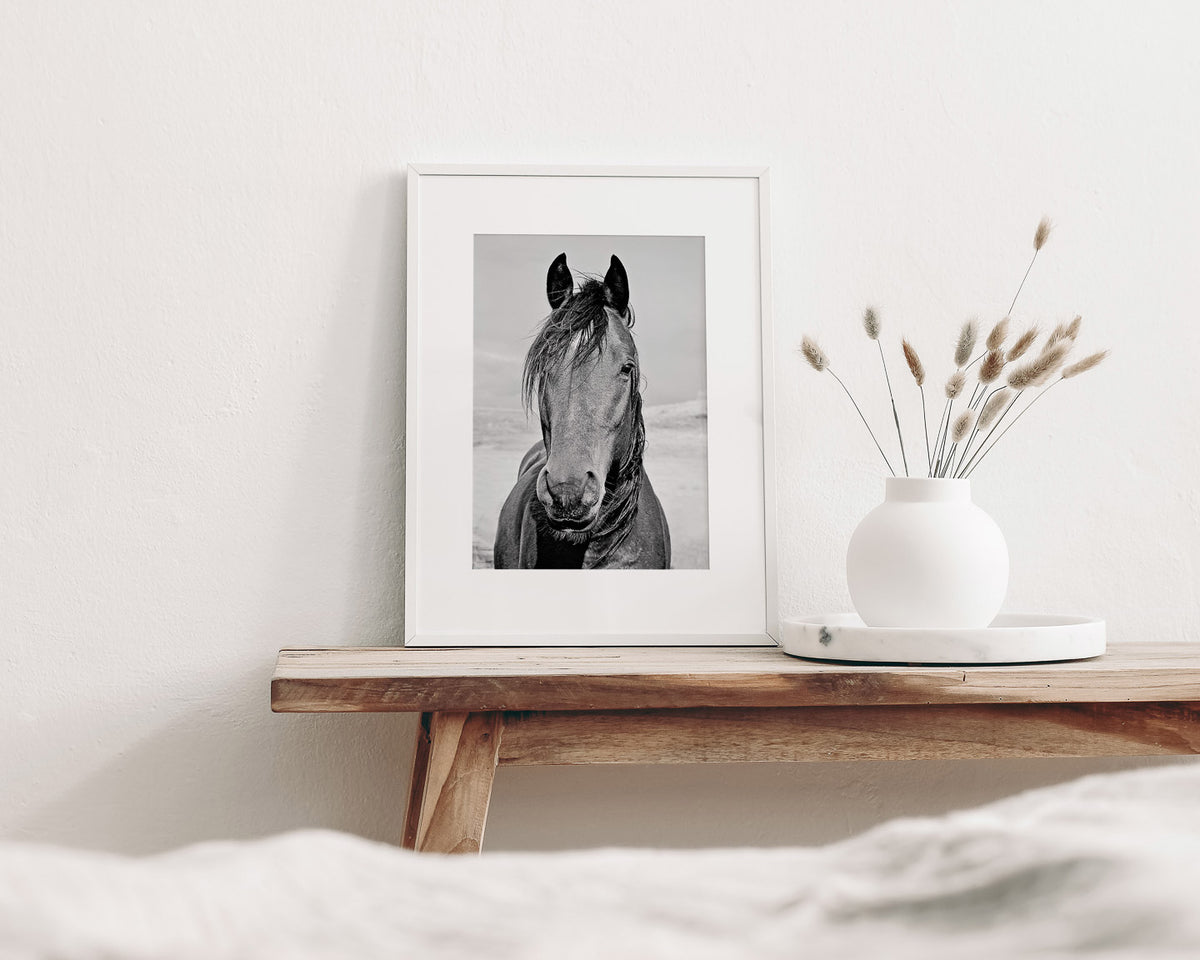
pixel 559 282
pixel 616 286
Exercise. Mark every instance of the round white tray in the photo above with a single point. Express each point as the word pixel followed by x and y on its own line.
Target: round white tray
pixel 1011 638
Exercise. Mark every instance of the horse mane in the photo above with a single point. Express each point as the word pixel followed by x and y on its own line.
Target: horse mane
pixel 582 317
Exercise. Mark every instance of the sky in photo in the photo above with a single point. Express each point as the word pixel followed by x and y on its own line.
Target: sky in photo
pixel 666 286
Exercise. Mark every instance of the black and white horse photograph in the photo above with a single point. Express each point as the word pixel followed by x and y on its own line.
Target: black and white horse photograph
pixel 590 446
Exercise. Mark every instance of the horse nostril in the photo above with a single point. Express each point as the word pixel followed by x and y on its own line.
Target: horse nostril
pixel 555 492
pixel 592 489
pixel 543 488
pixel 569 494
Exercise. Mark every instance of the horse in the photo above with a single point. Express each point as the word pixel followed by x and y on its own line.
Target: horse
pixel 582 499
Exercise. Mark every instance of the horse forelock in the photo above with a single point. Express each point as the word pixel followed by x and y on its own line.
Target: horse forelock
pixel 573 334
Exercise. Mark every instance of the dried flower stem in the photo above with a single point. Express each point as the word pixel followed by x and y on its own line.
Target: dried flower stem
pixel 925 421
pixel 820 362
pixel 984 451
pixel 1023 279
pixel 895 415
pixel 939 435
pixel 965 471
pixel 945 467
pixel 864 420
pixel 943 431
pixel 979 423
pixel 1074 370
pixel 917 369
pixel 954 387
pixel 1040 236
pixel 962 425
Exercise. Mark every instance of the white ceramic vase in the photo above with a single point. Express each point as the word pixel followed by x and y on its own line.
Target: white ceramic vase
pixel 927 557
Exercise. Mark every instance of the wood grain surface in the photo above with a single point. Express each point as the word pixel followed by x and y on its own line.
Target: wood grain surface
pixel 457 782
pixel 946 732
pixel 352 679
pixel 416 786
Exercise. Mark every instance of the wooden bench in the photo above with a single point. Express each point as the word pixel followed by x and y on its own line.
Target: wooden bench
pixel 484 707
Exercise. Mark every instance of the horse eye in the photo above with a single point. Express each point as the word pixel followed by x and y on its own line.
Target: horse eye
pixel 628 367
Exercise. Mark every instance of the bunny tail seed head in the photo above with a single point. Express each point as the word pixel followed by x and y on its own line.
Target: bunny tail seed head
pixel 1060 334
pixel 1073 327
pixel 998 335
pixel 1084 365
pixel 954 386
pixel 966 344
pixel 992 366
pixel 1042 234
pixel 962 426
pixel 871 323
pixel 1038 370
pixel 995 403
pixel 813 354
pixel 915 367
pixel 1024 342
pixel 1049 362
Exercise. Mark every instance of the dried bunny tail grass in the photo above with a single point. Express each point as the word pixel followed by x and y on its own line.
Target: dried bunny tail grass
pixel 871 323
pixel 1037 371
pixel 995 403
pixel 916 368
pixel 962 426
pixel 954 386
pixel 998 335
pixel 1064 333
pixel 818 361
pixel 1084 365
pixel 1051 361
pixel 1024 342
pixel 813 354
pixel 966 344
pixel 1042 234
pixel 992 367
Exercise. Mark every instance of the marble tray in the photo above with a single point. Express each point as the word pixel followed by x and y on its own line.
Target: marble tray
pixel 1011 638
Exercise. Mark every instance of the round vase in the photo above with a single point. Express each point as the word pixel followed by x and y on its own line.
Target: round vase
pixel 927 557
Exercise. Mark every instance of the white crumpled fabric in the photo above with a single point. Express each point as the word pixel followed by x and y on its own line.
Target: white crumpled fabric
pixel 1107 866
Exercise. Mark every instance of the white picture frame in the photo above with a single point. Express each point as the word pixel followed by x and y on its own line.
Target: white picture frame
pixel 732 602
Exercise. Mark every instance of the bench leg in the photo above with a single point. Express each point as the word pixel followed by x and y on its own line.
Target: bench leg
pixel 453 770
pixel 416 787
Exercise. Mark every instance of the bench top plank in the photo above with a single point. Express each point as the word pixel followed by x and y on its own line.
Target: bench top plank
pixel 378 679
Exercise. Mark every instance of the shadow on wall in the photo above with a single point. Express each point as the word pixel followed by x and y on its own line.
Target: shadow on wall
pixel 226 767
pixel 236 773
pixel 342 523
pixel 752 804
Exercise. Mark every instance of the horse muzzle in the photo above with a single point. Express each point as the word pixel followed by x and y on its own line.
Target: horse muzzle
pixel 571 503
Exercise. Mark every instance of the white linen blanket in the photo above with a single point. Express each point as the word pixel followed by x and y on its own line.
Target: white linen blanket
pixel 1106 866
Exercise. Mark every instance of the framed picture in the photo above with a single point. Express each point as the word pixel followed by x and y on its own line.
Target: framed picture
pixel 588 457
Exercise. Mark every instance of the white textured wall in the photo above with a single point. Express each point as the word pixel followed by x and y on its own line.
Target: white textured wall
pixel 201 290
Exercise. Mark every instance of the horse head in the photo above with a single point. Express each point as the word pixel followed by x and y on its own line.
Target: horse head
pixel 582 372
